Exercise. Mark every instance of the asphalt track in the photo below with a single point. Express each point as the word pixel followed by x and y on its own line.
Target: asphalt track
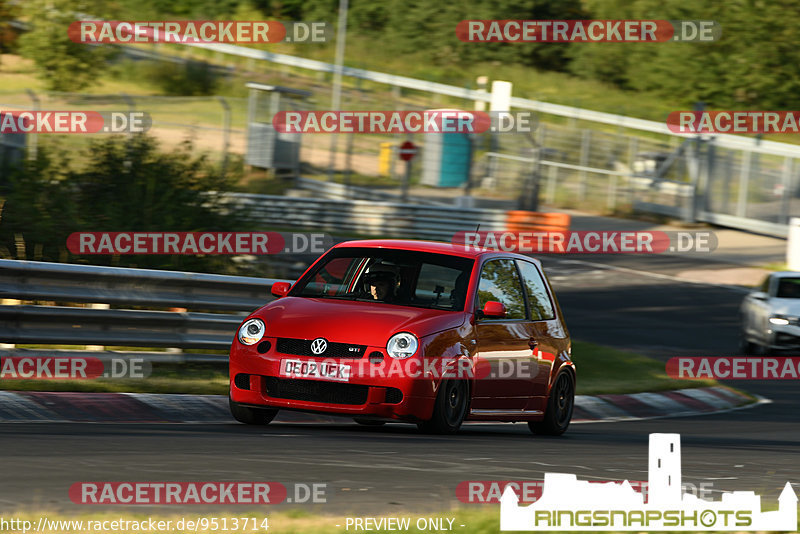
pixel 393 469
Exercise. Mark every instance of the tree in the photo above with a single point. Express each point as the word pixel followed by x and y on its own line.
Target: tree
pixel 127 185
pixel 8 13
pixel 63 64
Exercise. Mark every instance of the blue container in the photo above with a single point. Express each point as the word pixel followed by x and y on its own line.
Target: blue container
pixel 446 159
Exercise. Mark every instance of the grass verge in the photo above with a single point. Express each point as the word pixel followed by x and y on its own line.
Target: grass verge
pixel 603 369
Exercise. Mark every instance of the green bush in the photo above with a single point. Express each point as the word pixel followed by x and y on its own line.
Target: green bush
pixel 128 185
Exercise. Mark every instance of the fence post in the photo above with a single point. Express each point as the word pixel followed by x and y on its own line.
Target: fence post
pixel 552 177
pixel 786 181
pixel 633 148
pixel 131 108
pixel 226 132
pixel 744 182
pixel 612 192
pixel 584 162
pixel 32 137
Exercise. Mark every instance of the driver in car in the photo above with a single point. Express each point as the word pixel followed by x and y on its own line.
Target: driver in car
pixel 381 285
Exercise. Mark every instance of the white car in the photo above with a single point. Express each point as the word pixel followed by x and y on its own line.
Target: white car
pixel 771 314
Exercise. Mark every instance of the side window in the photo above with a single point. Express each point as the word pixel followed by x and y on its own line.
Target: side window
pixel 331 279
pixel 500 282
pixel 539 300
pixel 765 284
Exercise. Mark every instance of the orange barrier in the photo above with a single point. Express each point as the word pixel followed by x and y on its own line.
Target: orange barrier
pixel 533 221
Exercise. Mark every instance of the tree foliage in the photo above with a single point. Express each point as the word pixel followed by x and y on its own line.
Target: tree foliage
pixel 127 185
pixel 61 63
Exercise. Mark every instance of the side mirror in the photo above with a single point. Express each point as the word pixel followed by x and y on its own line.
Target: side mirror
pixel 494 309
pixel 279 289
pixel 759 295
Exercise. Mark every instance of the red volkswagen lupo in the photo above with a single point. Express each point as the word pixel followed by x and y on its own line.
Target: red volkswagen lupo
pixel 413 331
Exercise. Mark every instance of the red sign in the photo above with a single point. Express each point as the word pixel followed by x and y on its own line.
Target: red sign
pixel 408 150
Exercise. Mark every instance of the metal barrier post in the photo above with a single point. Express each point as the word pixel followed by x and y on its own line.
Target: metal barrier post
pixel 744 182
pixel 226 132
pixel 584 162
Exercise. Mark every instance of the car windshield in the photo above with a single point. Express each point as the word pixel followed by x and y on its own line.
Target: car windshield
pixel 400 277
pixel 789 288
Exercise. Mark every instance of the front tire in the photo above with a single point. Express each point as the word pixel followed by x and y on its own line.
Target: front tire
pixel 449 410
pixel 559 408
pixel 251 416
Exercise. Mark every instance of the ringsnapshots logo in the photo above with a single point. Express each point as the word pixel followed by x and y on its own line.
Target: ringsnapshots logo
pixel 569 504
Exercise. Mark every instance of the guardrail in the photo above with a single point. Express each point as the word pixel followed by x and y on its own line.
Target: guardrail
pixel 187 300
pixel 363 217
pixel 65 283
pixel 335 191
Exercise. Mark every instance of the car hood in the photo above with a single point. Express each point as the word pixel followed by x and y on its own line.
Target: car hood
pixel 364 323
pixel 785 306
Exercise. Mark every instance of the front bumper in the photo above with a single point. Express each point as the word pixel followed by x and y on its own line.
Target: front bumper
pixel 372 390
pixel 785 337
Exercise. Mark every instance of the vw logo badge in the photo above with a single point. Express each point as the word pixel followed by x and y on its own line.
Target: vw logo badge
pixel 319 345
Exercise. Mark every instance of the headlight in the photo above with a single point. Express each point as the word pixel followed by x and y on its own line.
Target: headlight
pixel 251 331
pixel 779 320
pixel 402 345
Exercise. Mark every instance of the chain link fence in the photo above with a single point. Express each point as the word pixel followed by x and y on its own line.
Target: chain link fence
pixel 565 162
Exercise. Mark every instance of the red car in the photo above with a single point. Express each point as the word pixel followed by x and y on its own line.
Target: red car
pixel 411 331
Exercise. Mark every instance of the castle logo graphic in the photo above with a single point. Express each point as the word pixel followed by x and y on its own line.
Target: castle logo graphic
pixel 571 504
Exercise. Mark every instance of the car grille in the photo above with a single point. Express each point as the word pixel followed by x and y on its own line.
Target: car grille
pixel 316 391
pixel 242 381
pixel 302 347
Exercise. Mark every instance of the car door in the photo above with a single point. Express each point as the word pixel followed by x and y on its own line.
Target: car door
pixel 548 337
pixel 503 343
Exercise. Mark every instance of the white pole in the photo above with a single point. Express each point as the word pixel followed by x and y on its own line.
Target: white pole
pixel 793 245
pixel 336 99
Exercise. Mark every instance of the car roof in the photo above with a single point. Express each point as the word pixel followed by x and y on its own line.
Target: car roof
pixel 438 247
pixel 786 274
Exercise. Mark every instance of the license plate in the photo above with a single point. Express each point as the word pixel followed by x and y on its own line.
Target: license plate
pixel 316 370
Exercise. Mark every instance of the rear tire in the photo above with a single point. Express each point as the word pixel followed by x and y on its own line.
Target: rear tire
pixel 450 409
pixel 251 416
pixel 559 408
